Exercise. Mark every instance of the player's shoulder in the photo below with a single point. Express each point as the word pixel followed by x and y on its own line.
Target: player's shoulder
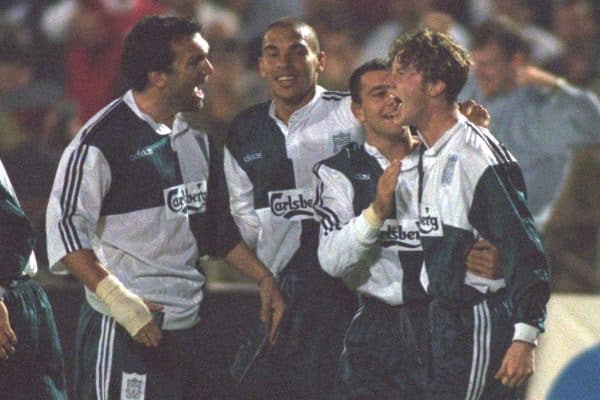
pixel 347 158
pixel 109 125
pixel 334 100
pixel 249 122
pixel 254 112
pixel 334 96
pixel 478 149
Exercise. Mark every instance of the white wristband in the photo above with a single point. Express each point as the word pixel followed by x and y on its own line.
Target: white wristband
pixel 371 217
pixel 127 308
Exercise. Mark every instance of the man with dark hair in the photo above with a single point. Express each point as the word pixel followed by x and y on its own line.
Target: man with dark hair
pixel 483 330
pixel 539 117
pixel 31 362
pixel 138 197
pixel 269 156
pixel 369 238
pixel 386 347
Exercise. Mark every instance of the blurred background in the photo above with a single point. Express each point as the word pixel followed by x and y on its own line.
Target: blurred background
pixel 59 64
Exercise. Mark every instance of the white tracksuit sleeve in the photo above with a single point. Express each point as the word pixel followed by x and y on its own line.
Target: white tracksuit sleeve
pixel 82 180
pixel 241 200
pixel 344 237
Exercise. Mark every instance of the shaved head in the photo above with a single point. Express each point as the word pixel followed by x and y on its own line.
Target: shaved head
pixel 307 32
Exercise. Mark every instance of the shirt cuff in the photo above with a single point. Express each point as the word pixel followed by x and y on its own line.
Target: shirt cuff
pixel 526 333
pixel 365 232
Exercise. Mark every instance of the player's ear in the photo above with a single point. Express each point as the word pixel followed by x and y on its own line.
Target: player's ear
pixel 322 61
pixel 437 88
pixel 358 112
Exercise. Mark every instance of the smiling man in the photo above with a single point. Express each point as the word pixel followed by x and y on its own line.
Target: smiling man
pixel 369 236
pixel 269 156
pixel 269 159
pixel 138 198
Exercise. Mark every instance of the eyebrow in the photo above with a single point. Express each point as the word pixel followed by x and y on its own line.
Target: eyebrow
pixel 293 46
pixel 380 87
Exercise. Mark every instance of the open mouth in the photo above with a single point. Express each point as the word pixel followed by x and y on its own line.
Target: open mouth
pixel 285 80
pixel 198 92
pixel 394 109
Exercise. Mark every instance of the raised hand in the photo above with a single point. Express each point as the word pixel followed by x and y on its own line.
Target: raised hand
pixel 386 187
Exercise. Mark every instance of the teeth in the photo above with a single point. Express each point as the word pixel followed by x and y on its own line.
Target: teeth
pixel 285 78
pixel 198 92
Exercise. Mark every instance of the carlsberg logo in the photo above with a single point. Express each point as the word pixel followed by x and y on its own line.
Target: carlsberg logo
pixel 185 199
pixel 293 205
pixel 404 235
pixel 430 223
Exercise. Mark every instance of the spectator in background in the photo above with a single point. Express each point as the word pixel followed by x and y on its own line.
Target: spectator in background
pixel 24 100
pixel 327 15
pixel 229 89
pixel 575 23
pixel 342 53
pixel 93 31
pixel 256 14
pixel 572 236
pixel 573 231
pixel 405 16
pixel 547 45
pixel 33 163
pixel 25 15
pixel 216 20
pixel 537 116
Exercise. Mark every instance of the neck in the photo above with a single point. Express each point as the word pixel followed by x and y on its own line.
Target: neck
pixel 154 106
pixel 284 108
pixel 439 120
pixel 392 148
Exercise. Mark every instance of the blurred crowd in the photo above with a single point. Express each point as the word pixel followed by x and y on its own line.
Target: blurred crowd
pixel 60 59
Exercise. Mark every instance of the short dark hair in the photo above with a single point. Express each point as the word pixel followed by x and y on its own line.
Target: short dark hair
pixel 376 64
pixel 297 24
pixel 435 55
pixel 148 47
pixel 504 32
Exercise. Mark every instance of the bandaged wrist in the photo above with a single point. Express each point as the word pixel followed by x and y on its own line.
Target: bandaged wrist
pixel 372 218
pixel 125 307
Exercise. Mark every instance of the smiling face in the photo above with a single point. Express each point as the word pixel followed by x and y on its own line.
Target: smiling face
pixel 378 106
pixel 290 63
pixel 191 68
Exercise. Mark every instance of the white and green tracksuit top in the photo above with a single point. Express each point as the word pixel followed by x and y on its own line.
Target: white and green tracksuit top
pixel 149 200
pixel 269 165
pixel 471 186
